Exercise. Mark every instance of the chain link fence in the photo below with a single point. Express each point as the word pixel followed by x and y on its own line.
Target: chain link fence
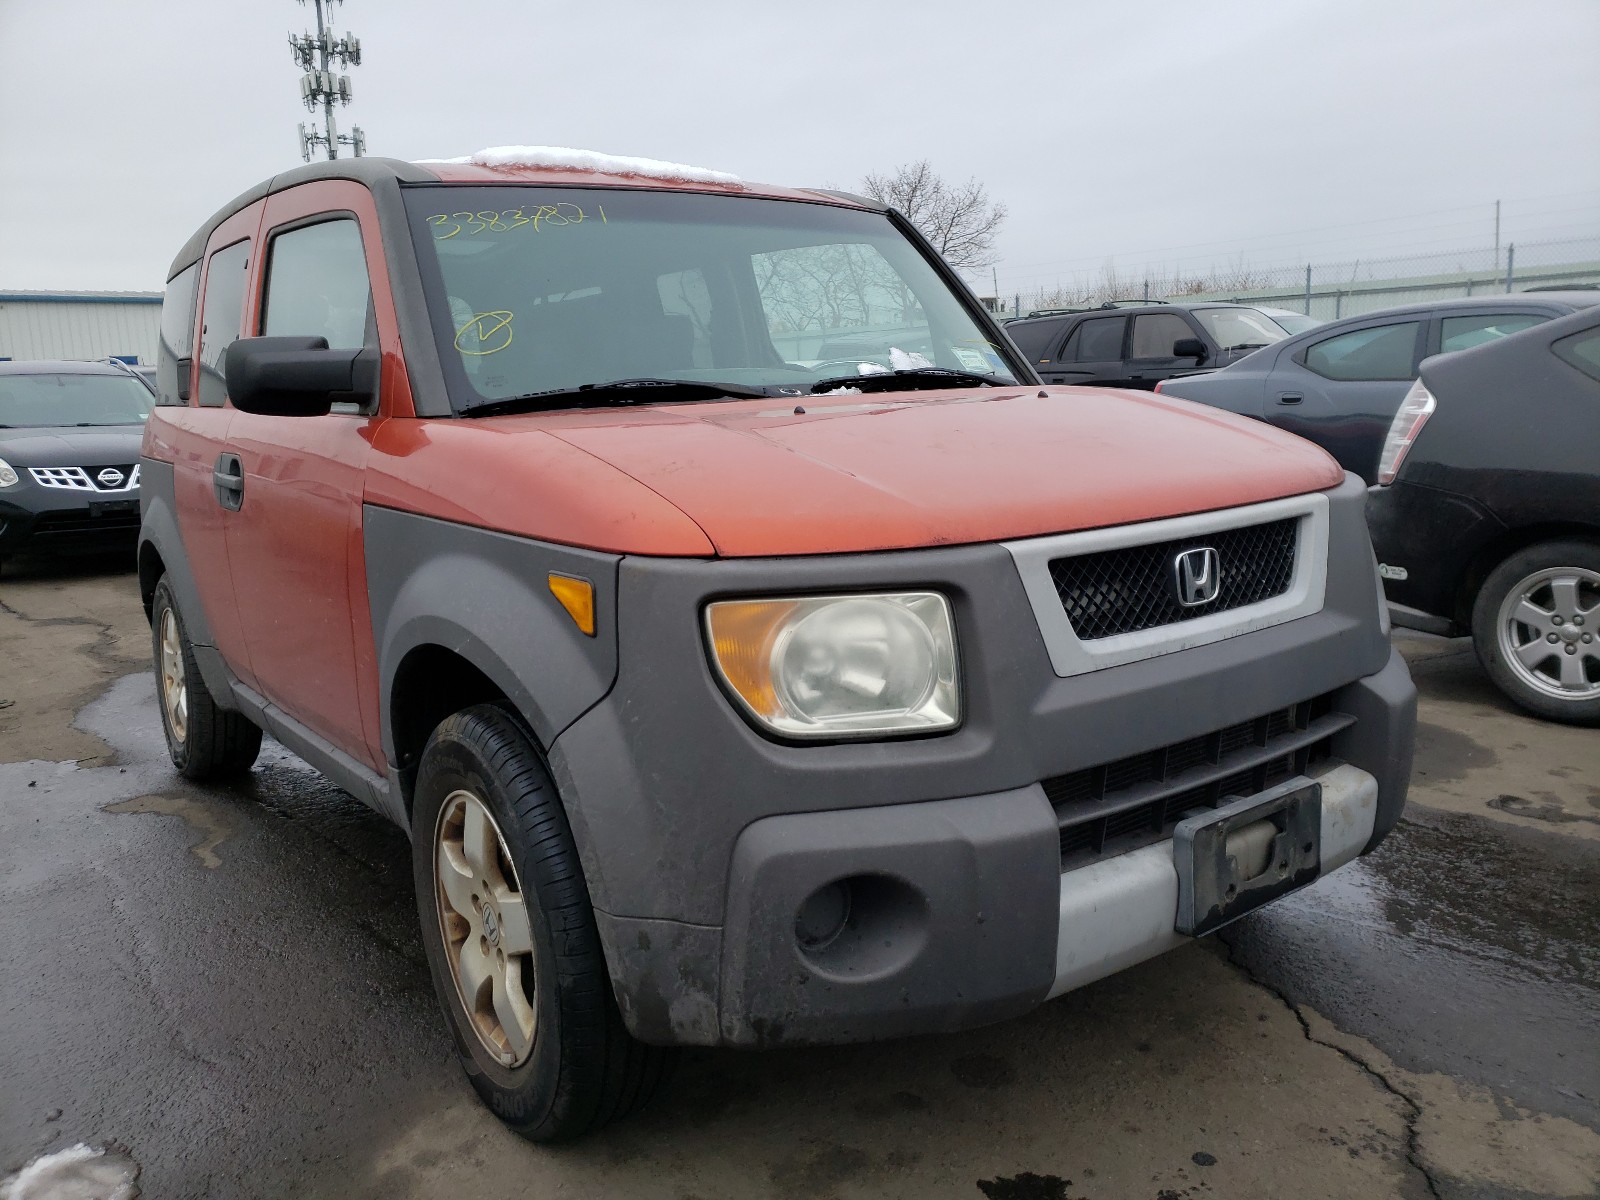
pixel 1328 291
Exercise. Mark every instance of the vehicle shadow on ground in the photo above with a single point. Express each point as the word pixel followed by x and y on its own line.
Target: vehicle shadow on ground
pixel 67 568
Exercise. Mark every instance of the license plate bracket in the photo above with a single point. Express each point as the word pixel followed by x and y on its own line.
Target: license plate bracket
pixel 112 508
pixel 1248 851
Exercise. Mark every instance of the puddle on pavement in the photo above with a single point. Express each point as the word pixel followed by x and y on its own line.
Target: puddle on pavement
pixel 201 817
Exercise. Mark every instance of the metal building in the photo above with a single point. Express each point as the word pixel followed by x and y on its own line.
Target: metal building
pixel 80 325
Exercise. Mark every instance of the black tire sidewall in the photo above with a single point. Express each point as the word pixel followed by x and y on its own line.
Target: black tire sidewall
pixel 529 1097
pixel 1485 625
pixel 161 602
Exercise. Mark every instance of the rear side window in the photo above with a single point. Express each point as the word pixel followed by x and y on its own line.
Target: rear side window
pixel 1154 334
pixel 317 285
pixel 1582 350
pixel 1462 333
pixel 1033 337
pixel 221 315
pixel 1100 339
pixel 1381 352
pixel 177 334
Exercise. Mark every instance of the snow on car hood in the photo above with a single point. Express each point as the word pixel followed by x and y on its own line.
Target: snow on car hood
pixel 847 474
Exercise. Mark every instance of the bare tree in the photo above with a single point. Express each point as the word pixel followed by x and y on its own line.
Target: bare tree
pixel 959 219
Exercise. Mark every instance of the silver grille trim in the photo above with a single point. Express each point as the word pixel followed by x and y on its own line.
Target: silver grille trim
pixel 83 479
pixel 1071 655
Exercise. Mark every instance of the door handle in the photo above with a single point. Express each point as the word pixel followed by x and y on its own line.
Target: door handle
pixel 1290 397
pixel 227 477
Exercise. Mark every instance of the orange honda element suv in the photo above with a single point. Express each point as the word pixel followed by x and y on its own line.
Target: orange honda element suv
pixel 756 653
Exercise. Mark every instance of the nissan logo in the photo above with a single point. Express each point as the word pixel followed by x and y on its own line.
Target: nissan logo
pixel 1197 576
pixel 110 478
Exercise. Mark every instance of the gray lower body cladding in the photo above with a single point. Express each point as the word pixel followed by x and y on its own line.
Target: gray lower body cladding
pixel 701 838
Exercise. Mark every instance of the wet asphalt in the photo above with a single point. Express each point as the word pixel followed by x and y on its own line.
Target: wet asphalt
pixel 228 983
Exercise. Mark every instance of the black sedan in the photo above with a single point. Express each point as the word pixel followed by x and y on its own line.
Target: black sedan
pixel 1340 383
pixel 1487 517
pixel 69 455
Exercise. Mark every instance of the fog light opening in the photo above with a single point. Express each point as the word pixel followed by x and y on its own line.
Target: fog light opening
pixel 823 916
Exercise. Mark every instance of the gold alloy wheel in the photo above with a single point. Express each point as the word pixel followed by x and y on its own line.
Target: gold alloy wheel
pixel 484 923
pixel 174 687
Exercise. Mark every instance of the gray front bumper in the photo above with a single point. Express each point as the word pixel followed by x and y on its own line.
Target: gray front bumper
pixel 993 927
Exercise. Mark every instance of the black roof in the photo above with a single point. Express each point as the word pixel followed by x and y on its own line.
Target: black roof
pixel 369 171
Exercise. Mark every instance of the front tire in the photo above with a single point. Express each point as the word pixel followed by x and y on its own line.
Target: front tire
pixel 1536 629
pixel 204 740
pixel 511 938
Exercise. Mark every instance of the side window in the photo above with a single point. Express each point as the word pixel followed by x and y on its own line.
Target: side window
pixel 1033 338
pixel 1154 334
pixel 1382 352
pixel 1582 350
pixel 1462 333
pixel 317 285
pixel 177 336
pixel 221 315
pixel 1100 339
pixel 1069 348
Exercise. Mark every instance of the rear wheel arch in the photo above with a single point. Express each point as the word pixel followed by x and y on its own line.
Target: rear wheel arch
pixel 1497 550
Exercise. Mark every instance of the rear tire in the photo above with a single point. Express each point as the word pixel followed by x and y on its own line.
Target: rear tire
pixel 511 937
pixel 205 740
pixel 1536 629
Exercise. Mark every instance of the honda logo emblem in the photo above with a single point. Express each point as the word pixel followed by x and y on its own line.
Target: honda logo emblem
pixel 1197 575
pixel 110 478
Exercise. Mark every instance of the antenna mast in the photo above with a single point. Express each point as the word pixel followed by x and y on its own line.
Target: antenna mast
pixel 321 88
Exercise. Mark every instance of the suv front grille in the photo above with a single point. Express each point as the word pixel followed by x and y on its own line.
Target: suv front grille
pixel 1111 592
pixel 87 479
pixel 1119 806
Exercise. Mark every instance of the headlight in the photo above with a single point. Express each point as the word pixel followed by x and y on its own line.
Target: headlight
pixel 840 666
pixel 8 474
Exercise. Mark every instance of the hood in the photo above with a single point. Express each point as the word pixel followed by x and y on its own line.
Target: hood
pixel 859 473
pixel 107 446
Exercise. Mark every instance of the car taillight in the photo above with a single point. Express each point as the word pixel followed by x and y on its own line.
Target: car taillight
pixel 1159 382
pixel 1414 412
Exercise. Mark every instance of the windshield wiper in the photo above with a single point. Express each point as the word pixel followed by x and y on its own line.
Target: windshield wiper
pixel 908 380
pixel 614 392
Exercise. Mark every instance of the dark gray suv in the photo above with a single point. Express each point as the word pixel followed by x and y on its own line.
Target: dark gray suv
pixel 1138 346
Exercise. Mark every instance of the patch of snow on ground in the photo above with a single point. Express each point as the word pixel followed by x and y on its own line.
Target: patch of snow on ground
pixel 78 1173
pixel 900 360
pixel 566 158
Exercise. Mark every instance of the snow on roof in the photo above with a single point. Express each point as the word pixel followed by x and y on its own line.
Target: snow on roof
pixel 566 158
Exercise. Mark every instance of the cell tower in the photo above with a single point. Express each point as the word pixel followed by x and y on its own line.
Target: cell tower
pixel 321 87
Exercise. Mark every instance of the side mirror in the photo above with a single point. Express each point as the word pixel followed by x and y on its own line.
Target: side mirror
pixel 297 376
pixel 1182 348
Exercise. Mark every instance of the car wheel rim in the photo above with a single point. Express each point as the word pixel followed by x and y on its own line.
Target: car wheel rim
pixel 483 919
pixel 174 687
pixel 1549 632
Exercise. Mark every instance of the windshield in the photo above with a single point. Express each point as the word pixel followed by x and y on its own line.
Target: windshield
pixel 535 289
pixel 45 401
pixel 1231 328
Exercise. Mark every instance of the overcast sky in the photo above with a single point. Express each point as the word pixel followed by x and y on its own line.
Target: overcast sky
pixel 1178 134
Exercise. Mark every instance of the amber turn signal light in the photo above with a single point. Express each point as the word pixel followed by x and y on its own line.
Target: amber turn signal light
pixel 577 597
